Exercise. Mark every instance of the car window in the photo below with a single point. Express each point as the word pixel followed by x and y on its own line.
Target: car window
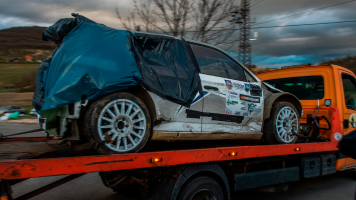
pixel 304 87
pixel 216 63
pixel 250 78
pixel 349 83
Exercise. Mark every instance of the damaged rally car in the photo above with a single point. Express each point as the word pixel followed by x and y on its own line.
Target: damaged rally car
pixel 122 88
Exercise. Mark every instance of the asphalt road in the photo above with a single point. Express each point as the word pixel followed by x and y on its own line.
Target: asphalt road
pixel 338 186
pixel 8 129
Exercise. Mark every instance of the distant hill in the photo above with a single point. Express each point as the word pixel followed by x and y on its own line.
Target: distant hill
pixel 24 38
pixel 348 62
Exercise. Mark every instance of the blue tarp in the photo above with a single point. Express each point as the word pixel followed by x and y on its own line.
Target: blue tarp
pixel 92 60
pixel 89 64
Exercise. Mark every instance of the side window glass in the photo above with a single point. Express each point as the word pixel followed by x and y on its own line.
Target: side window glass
pixel 349 83
pixel 304 87
pixel 249 78
pixel 215 63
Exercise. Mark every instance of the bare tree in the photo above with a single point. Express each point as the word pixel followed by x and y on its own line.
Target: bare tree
pixel 211 22
pixel 144 10
pixel 175 15
pixel 201 20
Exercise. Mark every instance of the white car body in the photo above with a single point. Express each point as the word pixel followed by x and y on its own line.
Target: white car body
pixel 215 111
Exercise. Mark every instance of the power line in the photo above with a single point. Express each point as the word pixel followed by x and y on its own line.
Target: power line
pixel 305 12
pixel 341 22
pixel 256 3
pixel 292 25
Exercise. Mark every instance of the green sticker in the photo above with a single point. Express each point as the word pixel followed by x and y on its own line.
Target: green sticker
pixel 231 102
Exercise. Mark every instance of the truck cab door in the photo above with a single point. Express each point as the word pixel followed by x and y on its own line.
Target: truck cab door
pixel 349 105
pixel 232 104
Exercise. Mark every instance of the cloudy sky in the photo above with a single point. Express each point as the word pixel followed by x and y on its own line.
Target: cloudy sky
pixel 274 47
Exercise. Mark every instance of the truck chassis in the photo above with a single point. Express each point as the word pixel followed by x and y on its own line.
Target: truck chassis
pixel 233 167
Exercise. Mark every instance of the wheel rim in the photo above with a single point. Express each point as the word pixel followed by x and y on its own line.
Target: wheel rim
pixel 122 124
pixel 204 194
pixel 286 124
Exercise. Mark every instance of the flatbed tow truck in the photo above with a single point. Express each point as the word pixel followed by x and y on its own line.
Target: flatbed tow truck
pixel 207 172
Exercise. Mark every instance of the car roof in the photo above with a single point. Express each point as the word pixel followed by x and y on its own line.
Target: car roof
pixel 203 44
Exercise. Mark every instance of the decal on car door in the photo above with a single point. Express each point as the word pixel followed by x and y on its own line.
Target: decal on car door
pixel 239 101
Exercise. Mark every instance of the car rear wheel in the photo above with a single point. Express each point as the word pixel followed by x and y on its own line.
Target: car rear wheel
pixel 282 125
pixel 119 122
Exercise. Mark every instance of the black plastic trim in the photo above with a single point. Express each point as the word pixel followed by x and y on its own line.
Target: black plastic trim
pixel 214 116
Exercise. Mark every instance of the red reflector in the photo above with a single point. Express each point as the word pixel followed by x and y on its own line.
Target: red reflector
pixel 43 121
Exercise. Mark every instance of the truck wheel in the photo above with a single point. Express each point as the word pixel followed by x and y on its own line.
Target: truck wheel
pixel 119 122
pixel 282 124
pixel 201 188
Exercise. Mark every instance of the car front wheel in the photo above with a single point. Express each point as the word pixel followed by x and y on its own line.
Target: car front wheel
pixel 119 123
pixel 283 124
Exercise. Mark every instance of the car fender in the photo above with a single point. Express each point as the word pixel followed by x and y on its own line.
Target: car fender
pixel 278 97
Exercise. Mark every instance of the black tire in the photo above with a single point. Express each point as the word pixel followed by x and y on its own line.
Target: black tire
pixel 91 122
pixel 202 187
pixel 270 131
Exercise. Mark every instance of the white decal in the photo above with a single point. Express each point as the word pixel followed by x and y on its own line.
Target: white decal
pixel 338 136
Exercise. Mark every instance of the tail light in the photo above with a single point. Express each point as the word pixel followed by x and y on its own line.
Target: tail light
pixel 43 123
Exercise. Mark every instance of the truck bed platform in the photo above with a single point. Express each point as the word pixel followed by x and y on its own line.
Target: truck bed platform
pixel 151 157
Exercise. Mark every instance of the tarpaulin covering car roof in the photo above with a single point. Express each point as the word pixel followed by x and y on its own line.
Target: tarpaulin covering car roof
pixel 93 60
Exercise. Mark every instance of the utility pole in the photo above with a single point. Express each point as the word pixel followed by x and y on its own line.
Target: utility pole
pixel 242 16
pixel 244 55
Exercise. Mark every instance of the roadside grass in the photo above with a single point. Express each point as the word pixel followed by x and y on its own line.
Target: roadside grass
pixel 28 109
pixel 11 73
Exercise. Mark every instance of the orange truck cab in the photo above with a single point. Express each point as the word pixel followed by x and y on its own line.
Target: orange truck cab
pixel 327 86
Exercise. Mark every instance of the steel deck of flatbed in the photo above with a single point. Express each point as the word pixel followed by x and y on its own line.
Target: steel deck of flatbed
pixel 30 168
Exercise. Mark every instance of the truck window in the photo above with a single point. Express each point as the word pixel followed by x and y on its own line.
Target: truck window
pixel 304 87
pixel 348 82
pixel 213 62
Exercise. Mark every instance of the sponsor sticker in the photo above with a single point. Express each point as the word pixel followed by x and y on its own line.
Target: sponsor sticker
pixel 247 87
pixel 229 102
pixel 352 120
pixel 243 108
pixel 228 84
pixel 338 136
pixel 257 110
pixel 251 107
pixel 228 111
pixel 238 86
pixel 238 113
pixel 249 98
pixel 232 96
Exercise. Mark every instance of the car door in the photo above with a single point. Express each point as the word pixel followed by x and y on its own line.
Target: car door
pixel 231 103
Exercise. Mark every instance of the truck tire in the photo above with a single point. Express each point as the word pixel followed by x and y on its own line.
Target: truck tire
pixel 119 123
pixel 201 187
pixel 284 121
